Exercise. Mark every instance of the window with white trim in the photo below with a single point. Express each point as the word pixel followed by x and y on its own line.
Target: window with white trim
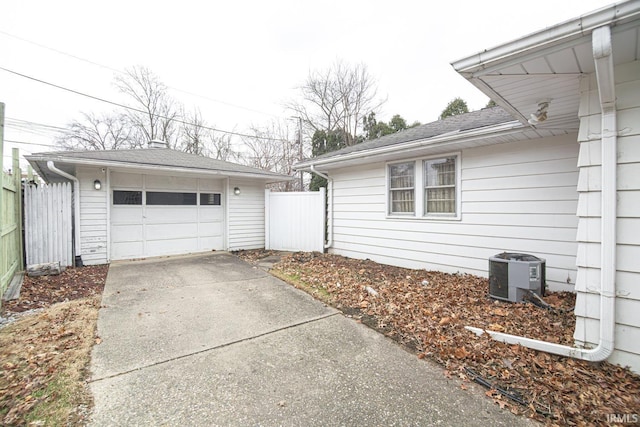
pixel 402 188
pixel 427 187
pixel 440 186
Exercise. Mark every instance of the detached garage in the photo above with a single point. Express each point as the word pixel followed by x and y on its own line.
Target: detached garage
pixel 151 202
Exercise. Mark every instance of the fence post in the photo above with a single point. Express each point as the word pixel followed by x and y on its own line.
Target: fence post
pixel 267 219
pixel 17 174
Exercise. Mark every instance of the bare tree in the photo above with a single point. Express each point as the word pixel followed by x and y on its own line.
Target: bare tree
pixel 219 147
pixel 97 132
pixel 275 149
pixel 154 112
pixel 193 133
pixel 336 99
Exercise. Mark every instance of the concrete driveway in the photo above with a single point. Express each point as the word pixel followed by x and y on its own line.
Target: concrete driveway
pixel 210 340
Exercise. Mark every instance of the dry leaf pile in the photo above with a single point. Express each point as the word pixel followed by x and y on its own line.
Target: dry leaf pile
pixel 71 284
pixel 427 311
pixel 43 356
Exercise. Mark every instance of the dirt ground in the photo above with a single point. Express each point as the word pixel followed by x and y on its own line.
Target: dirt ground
pixel 427 311
pixel 46 346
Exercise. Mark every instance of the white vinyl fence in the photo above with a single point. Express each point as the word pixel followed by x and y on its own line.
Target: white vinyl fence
pixel 48 224
pixel 294 221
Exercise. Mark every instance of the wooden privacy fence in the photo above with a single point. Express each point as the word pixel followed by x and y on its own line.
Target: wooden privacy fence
pixel 48 224
pixel 295 221
pixel 11 260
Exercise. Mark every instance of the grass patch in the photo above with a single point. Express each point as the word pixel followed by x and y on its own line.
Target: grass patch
pixel 295 280
pixel 45 358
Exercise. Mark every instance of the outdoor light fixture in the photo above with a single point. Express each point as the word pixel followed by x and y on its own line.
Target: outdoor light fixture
pixel 541 113
pixel 97 184
pixel 236 191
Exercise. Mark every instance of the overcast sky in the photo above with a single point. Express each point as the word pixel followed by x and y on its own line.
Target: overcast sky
pixel 246 58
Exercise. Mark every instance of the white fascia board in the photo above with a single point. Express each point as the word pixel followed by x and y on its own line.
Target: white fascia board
pixel 564 32
pixel 449 139
pixel 140 166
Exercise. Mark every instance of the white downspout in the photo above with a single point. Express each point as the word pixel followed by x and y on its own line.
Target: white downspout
pixel 602 53
pixel 76 206
pixel 329 241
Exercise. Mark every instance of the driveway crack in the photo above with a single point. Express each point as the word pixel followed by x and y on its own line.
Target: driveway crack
pixel 217 347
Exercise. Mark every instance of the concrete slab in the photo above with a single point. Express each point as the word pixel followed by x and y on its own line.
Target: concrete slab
pixel 256 351
pixel 155 311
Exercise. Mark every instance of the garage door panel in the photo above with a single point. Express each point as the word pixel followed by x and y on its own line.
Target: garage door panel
pixel 171 247
pixel 126 215
pixel 175 231
pixel 125 250
pixel 210 213
pixel 154 230
pixel 170 214
pixel 126 233
pixel 208 243
pixel 210 229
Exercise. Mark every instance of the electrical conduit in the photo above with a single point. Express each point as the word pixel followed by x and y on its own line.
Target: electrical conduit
pixel 602 54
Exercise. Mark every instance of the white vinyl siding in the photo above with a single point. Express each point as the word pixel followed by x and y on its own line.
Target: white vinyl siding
pixel 246 215
pixel 93 216
pixel 627 331
pixel 517 197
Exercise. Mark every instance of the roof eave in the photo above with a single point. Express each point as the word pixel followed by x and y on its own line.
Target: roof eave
pixel 473 66
pixel 449 139
pixel 33 159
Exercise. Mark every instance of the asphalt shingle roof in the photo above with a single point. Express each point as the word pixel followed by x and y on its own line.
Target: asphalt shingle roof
pixel 462 122
pixel 156 157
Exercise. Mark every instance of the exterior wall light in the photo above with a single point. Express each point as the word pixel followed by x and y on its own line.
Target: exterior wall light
pixel 541 113
pixel 236 191
pixel 97 184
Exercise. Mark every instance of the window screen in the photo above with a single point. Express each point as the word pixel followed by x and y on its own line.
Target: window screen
pixel 210 199
pixel 440 186
pixel 401 182
pixel 127 197
pixel 165 198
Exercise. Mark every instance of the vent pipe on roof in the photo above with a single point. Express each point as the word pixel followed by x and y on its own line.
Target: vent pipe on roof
pixel 157 143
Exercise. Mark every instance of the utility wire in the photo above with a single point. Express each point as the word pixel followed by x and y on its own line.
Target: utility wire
pixel 28 143
pixel 97 64
pixel 136 109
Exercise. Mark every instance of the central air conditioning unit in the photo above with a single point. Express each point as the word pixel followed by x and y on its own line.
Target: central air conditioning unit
pixel 513 275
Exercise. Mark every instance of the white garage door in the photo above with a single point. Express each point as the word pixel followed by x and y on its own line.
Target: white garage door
pixel 164 215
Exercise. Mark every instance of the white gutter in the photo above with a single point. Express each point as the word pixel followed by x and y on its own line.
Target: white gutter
pixel 329 241
pixel 437 141
pixel 562 33
pixel 603 56
pixel 76 205
pixel 144 167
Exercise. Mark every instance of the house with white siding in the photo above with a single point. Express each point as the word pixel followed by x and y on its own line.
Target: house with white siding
pixel 156 201
pixel 553 170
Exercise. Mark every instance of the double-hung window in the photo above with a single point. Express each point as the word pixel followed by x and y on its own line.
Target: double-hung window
pixel 402 188
pixel 425 188
pixel 440 186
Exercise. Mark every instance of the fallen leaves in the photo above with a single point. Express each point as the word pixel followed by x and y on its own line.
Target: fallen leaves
pixel 427 312
pixel 44 355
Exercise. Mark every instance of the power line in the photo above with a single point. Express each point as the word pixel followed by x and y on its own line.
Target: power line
pixel 136 109
pixel 28 143
pixel 97 64
pixel 36 124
